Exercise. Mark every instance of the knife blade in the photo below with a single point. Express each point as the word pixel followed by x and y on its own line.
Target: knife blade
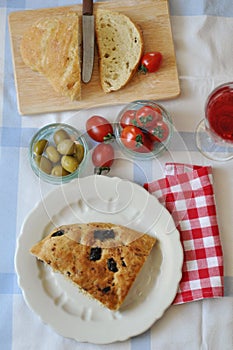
pixel 88 31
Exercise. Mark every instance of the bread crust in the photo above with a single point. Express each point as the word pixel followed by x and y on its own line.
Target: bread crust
pixel 103 259
pixel 52 47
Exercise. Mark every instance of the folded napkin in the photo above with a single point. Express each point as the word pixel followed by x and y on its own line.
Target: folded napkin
pixel 187 193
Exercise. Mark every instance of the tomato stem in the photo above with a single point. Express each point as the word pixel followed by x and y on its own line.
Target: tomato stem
pixel 109 137
pixel 100 170
pixel 143 69
pixel 158 132
pixel 138 140
pixel 145 120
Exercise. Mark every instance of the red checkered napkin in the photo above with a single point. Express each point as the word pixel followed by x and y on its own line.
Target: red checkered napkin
pixel 187 193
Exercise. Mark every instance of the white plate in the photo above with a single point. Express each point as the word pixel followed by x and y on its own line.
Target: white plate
pixel 64 307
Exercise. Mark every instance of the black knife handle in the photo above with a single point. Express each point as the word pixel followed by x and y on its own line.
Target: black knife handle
pixel 87 7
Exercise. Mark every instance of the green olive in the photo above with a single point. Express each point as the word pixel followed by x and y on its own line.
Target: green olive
pixel 69 163
pixel 44 164
pixel 60 135
pixel 58 170
pixel 52 154
pixel 66 147
pixel 39 147
pixel 79 152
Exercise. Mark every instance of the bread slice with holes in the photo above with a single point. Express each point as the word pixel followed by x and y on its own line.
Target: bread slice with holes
pixel 120 47
pixel 102 259
pixel 52 47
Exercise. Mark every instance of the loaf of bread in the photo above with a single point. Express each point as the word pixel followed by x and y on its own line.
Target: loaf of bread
pixel 52 47
pixel 102 259
pixel 120 47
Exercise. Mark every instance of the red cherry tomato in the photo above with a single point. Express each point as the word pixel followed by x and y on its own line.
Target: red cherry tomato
pixel 151 62
pixel 99 129
pixel 147 116
pixel 103 157
pixel 128 118
pixel 132 137
pixel 160 132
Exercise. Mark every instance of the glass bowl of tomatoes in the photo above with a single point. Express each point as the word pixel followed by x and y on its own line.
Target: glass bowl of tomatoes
pixel 143 129
pixel 57 153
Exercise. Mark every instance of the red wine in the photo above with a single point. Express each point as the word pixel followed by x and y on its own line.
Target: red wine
pixel 219 112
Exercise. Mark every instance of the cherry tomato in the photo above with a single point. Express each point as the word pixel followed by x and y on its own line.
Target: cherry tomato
pixel 128 118
pixel 132 137
pixel 151 62
pixel 160 132
pixel 99 129
pixel 147 116
pixel 103 157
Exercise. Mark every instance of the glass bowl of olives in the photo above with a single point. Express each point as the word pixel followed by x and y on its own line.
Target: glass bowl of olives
pixel 57 153
pixel 143 129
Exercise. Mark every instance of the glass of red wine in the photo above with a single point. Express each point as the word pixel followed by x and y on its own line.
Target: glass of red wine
pixel 214 134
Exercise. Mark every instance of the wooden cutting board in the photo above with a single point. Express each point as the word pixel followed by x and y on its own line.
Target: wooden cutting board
pixel 34 93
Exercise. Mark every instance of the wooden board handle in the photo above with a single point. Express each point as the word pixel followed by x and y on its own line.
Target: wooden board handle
pixel 87 7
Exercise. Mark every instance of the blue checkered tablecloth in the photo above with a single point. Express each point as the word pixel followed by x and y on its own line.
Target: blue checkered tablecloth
pixel 202 32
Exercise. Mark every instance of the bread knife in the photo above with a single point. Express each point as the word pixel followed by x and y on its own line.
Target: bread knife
pixel 88 35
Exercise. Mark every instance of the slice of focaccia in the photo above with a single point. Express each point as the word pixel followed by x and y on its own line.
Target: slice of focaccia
pixel 120 47
pixel 103 259
pixel 52 47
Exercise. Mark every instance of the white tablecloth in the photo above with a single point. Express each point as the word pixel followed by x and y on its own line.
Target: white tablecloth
pixel 202 32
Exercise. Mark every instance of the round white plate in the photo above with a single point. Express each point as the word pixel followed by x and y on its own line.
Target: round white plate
pixel 58 302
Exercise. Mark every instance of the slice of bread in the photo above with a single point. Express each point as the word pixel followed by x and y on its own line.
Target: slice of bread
pixel 102 259
pixel 120 47
pixel 52 47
